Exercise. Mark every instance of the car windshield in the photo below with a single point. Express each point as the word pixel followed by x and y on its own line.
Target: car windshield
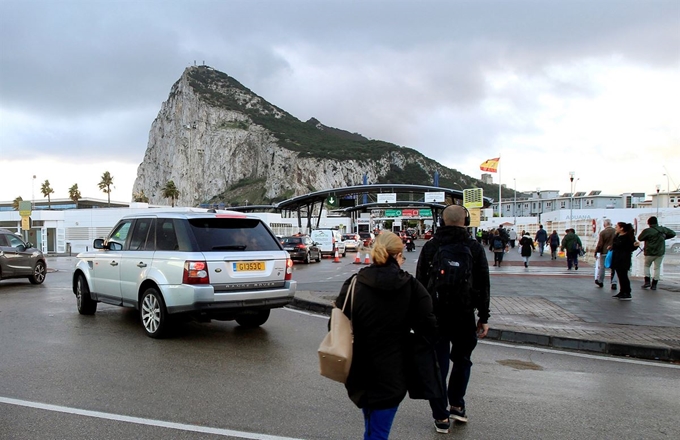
pixel 237 234
pixel 291 240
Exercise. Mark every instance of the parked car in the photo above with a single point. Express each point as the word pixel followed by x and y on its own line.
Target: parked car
pixel 368 238
pixel 353 242
pixel 20 259
pixel 428 234
pixel 328 241
pixel 205 265
pixel 301 248
pixel 673 245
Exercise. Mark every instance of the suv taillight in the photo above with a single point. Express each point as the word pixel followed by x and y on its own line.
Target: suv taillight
pixel 301 246
pixel 195 272
pixel 289 269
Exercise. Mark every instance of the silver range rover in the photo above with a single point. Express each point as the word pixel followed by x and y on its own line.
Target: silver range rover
pixel 224 266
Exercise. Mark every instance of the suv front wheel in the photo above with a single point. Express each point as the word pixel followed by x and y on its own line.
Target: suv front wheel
pixel 38 273
pixel 153 314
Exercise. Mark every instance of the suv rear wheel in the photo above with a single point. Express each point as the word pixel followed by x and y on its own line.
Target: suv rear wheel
pixel 253 319
pixel 38 273
pixel 86 305
pixel 153 314
pixel 308 259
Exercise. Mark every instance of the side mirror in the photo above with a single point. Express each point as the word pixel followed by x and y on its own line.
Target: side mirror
pixel 29 245
pixel 98 243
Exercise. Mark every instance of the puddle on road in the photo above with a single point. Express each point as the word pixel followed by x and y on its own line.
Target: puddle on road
pixel 520 365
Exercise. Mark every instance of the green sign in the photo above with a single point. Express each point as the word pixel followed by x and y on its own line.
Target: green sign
pixel 25 208
pixel 332 201
pixel 393 213
pixel 425 212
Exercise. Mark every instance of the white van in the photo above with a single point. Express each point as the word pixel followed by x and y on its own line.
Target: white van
pixel 328 241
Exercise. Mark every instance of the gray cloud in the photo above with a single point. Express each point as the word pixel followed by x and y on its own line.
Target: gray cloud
pixel 86 79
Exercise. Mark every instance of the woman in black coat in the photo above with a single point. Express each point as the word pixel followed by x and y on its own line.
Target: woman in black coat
pixel 528 247
pixel 623 246
pixel 388 304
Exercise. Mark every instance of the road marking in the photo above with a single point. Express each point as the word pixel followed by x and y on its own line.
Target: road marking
pixel 583 355
pixel 141 421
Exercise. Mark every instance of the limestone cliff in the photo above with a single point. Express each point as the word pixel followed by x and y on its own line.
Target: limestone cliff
pixel 220 142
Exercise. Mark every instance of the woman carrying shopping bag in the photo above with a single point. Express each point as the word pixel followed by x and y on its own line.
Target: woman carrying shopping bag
pixel 388 304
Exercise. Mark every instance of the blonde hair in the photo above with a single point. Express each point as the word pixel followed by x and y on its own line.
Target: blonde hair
pixel 386 244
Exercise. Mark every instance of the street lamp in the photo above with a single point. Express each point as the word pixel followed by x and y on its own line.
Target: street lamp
pixel 571 203
pixel 668 191
pixel 538 191
pixel 658 187
pixel 514 206
pixel 33 193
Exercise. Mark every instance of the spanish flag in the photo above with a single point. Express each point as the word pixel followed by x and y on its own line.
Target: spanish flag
pixel 490 165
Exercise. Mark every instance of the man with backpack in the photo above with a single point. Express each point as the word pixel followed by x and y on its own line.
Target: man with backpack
pixel 655 247
pixel 455 271
pixel 541 238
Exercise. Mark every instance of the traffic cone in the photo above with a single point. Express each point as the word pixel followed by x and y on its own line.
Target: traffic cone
pixel 337 258
pixel 367 260
pixel 357 259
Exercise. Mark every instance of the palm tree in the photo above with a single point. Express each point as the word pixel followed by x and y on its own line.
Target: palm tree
pixel 46 191
pixel 140 197
pixel 171 192
pixel 105 184
pixel 74 194
pixel 15 203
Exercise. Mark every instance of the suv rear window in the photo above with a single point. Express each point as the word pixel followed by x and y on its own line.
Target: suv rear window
pixel 291 240
pixel 232 234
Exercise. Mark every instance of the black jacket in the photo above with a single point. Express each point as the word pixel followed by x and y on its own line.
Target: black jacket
pixel 622 247
pixel 388 303
pixel 480 269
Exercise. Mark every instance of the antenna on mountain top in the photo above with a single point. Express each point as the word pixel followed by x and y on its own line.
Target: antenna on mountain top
pixel 194 63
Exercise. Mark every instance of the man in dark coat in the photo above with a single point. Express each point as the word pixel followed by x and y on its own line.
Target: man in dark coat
pixel 457 327
pixel 541 238
pixel 655 248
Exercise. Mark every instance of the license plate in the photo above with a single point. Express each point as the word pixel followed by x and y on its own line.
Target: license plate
pixel 248 266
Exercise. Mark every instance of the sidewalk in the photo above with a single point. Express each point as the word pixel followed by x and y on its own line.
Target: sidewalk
pixel 547 305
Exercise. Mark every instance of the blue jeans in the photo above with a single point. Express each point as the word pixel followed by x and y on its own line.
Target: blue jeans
pixel 456 348
pixel 541 246
pixel 378 422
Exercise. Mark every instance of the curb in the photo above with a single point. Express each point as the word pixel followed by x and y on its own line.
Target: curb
pixel 593 346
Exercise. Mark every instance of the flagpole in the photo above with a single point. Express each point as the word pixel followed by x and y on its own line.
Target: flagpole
pixel 499 187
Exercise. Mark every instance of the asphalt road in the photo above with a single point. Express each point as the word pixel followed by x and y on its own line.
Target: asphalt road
pixel 67 376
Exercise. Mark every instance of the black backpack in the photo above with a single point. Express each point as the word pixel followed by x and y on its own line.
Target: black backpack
pixel 498 242
pixel 450 282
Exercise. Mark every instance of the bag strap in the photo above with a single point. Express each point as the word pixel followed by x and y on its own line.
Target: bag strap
pixel 350 291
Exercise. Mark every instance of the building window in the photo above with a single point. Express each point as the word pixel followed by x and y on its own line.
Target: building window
pixel 507 207
pixel 563 204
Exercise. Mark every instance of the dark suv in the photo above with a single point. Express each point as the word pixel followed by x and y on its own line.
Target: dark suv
pixel 301 248
pixel 19 259
pixel 168 264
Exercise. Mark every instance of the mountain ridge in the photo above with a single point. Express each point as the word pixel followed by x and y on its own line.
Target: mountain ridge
pixel 221 142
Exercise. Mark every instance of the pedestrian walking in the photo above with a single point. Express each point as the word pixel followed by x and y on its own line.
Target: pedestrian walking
pixel 623 246
pixel 604 242
pixel 388 304
pixel 454 306
pixel 528 247
pixel 513 237
pixel 571 244
pixel 655 248
pixel 554 241
pixel 498 247
pixel 541 239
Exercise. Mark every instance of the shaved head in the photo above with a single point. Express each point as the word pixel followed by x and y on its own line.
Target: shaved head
pixel 454 215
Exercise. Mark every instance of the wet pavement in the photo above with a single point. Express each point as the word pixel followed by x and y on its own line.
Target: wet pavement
pixel 548 305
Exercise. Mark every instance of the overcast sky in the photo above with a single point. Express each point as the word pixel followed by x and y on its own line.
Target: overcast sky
pixel 590 86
